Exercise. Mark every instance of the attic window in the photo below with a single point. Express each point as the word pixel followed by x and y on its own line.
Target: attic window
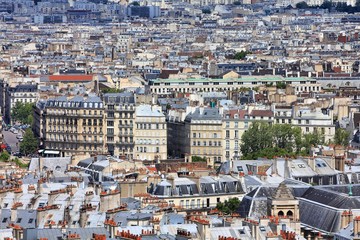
pixel 262 229
pixel 240 169
pixel 236 116
pixel 301 166
pixel 19 220
pixel 4 220
pixel 31 220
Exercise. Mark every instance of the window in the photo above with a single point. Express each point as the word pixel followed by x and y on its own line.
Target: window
pixel 199 143
pixel 227 124
pixel 204 143
pixel 31 220
pixel 236 144
pixel 194 143
pixel 109 123
pixel 215 135
pixel 194 135
pixel 4 220
pixel 236 134
pixel 307 129
pixel 110 131
pixel 227 133
pixel 18 220
pixel 236 124
pixel 227 144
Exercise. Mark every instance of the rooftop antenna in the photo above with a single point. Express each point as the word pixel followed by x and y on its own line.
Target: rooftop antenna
pixel 350 190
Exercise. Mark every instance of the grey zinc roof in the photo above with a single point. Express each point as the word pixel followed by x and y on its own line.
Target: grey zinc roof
pixel 300 168
pixel 5 215
pixel 124 97
pixel 147 111
pixel 26 218
pixel 324 218
pixel 206 114
pixel 55 233
pixel 331 198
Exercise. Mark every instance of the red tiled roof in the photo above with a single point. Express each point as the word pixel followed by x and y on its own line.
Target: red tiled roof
pixel 262 113
pixel 151 169
pixel 241 113
pixel 71 78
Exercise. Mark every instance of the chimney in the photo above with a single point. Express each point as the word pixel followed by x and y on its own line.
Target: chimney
pixel 201 110
pixel 357 227
pixel 221 111
pixel 83 217
pixel 345 217
pixel 311 163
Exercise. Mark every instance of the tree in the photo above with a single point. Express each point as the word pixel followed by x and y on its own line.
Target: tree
pixel 229 206
pixel 257 137
pixel 342 137
pixel 281 85
pixel 312 139
pixel 112 90
pixel 29 144
pixel 4 156
pixel 241 55
pixel 22 112
pixel 326 5
pixel 282 140
pixel 302 5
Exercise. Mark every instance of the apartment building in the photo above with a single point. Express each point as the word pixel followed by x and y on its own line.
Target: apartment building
pixel 197 192
pixel 204 134
pixel 150 133
pixel 167 86
pixel 120 115
pixel 235 123
pixel 312 120
pixel 24 93
pixel 71 126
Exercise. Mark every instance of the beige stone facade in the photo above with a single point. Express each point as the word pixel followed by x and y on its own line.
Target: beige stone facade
pixel 204 128
pixel 72 126
pixel 150 133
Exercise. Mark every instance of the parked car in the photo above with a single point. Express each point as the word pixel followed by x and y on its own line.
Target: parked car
pixel 17 154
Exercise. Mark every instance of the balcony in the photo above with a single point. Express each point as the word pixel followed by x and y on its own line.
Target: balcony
pixel 126 125
pixel 125 143
pixel 126 134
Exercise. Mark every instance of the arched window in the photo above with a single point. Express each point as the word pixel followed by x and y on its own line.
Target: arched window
pixel 280 213
pixel 289 214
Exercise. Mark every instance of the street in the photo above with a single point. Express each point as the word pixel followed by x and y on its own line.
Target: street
pixel 10 138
